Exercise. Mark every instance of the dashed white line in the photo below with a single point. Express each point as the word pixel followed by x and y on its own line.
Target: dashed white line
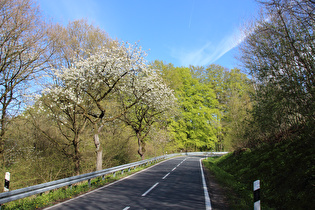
pixel 174 168
pixel 144 194
pixel 166 175
pixel 128 207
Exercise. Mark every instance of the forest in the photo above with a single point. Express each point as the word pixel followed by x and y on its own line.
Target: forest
pixel 74 100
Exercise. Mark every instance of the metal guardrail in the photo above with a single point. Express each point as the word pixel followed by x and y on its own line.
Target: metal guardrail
pixel 41 188
pixel 207 154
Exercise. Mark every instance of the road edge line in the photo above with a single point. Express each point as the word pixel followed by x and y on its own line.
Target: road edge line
pixel 205 188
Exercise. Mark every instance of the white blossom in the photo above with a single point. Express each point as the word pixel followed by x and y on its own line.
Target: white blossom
pixel 120 68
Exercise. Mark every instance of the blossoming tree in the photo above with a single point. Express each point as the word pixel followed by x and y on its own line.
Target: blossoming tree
pixel 158 101
pixel 94 82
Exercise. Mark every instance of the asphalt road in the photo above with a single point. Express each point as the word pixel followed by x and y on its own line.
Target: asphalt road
pixel 173 184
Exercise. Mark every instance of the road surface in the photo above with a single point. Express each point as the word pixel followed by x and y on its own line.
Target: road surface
pixel 172 184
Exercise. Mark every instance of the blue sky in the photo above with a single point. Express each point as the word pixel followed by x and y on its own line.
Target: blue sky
pixel 182 32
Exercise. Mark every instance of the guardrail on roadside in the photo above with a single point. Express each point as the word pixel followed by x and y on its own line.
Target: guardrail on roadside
pixel 44 187
pixel 207 154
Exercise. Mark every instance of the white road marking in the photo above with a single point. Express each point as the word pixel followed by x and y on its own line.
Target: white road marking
pixel 205 189
pixel 174 168
pixel 128 207
pixel 166 175
pixel 144 194
pixel 105 186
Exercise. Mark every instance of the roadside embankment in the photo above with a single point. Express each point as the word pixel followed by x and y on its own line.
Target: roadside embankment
pixel 286 171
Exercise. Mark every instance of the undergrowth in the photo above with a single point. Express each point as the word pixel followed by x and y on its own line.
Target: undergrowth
pixel 286 171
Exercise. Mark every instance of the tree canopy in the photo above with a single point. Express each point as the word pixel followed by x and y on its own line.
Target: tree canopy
pixel 279 54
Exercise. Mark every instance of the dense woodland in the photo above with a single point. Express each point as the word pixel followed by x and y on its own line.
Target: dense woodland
pixel 74 100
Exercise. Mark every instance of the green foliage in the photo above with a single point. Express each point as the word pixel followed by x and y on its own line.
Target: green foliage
pixel 196 125
pixel 279 54
pixel 238 104
pixel 31 158
pixel 121 145
pixel 285 171
pixel 239 196
pixel 170 74
pixel 233 91
pixel 214 105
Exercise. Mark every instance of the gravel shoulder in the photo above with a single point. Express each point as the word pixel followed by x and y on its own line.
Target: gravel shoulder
pixel 217 193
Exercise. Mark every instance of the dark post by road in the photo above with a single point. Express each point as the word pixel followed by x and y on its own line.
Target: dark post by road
pixel 257 195
pixel 6 182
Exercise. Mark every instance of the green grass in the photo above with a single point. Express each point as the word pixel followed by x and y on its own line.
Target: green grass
pixel 238 195
pixel 286 172
pixel 55 196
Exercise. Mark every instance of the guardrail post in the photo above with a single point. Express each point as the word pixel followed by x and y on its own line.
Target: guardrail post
pixel 257 195
pixel 122 172
pixel 89 181
pixel 70 186
pixel 114 174
pixel 103 177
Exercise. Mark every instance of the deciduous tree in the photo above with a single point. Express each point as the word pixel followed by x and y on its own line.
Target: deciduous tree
pixel 196 126
pixel 157 100
pixel 67 123
pixel 94 80
pixel 279 53
pixel 24 51
pixel 76 40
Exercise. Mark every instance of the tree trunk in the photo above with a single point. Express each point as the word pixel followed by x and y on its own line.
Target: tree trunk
pixel 77 156
pixel 99 159
pixel 77 165
pixel 99 151
pixel 140 151
pixel 2 132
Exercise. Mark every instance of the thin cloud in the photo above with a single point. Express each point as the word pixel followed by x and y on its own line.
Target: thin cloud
pixel 209 52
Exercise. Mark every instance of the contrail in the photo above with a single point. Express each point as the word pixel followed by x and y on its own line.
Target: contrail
pixel 209 52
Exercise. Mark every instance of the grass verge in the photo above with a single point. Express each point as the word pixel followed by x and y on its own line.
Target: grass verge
pixel 286 171
pixel 239 197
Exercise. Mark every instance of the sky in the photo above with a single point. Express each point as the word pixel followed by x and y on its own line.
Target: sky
pixel 181 32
